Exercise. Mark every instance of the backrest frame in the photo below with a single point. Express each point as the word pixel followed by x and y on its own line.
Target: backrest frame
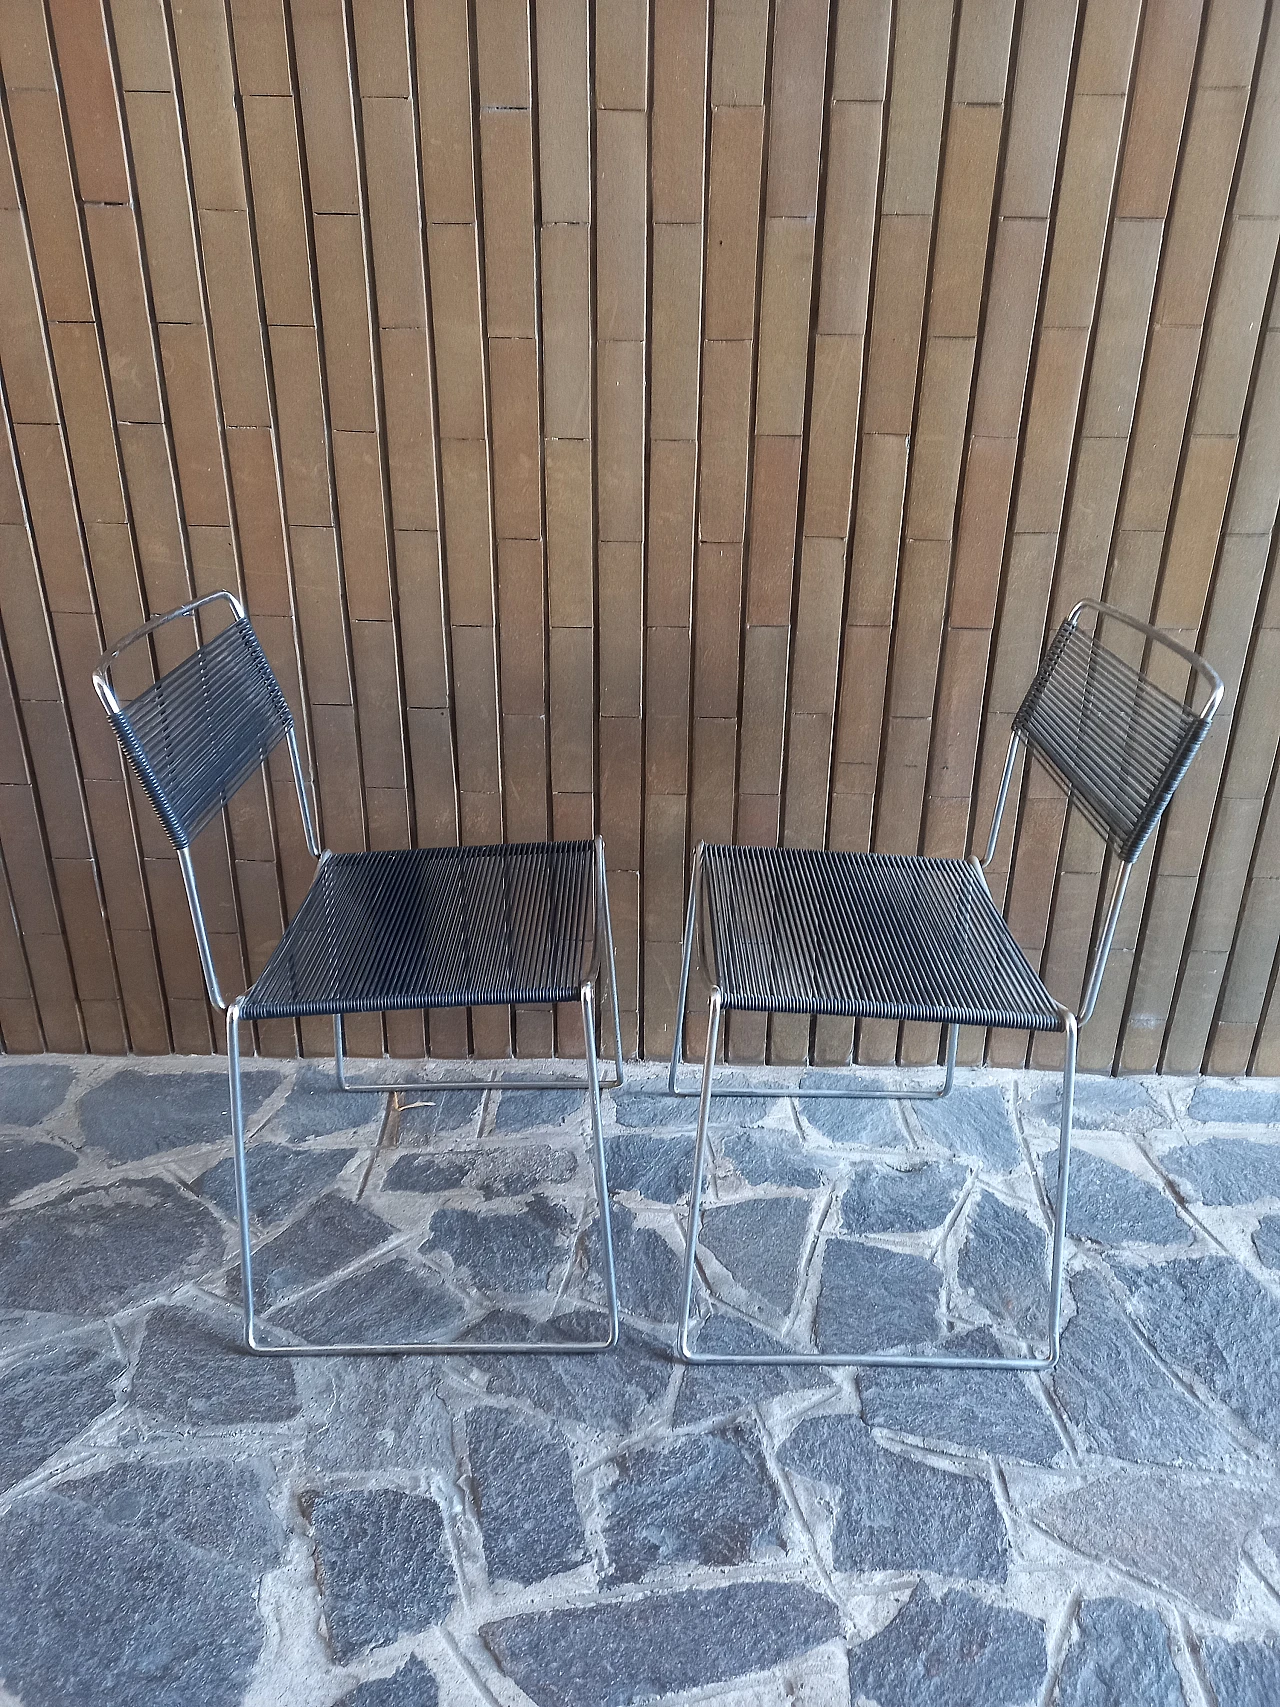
pixel 118 714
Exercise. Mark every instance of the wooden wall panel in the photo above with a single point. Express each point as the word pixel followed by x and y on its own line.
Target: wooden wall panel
pixel 673 419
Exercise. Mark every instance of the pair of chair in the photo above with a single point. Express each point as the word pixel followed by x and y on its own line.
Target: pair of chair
pixel 898 937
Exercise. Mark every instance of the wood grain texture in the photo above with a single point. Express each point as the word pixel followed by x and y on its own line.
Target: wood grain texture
pixel 674 419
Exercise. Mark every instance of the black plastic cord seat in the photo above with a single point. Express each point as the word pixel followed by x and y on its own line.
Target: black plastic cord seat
pixel 871 936
pixel 434 928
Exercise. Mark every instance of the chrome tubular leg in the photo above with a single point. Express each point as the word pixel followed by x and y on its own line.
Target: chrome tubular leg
pixel 242 1182
pixel 597 1157
pixel 1060 1197
pixel 683 1348
pixel 691 916
pixel 607 921
pixel 339 1055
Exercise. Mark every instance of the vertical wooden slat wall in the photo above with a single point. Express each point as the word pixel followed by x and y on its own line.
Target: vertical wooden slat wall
pixel 674 419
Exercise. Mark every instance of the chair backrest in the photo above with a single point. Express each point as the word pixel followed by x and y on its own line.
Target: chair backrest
pixel 203 728
pixel 1115 740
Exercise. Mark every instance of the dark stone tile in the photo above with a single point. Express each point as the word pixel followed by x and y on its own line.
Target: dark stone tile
pixel 330 1236
pixel 650 1274
pixel 393 1302
pixel 1124 1403
pixel 1111 1206
pixel 523 1491
pixel 974 1409
pixel 951 1652
pixel 411 1686
pixel 1120 1653
pixel 493 1173
pixel 24 1162
pixel 771 1157
pixel 90 1252
pixel 1243 1674
pixel 135 1113
pixel 190 1371
pixel 384 1567
pixel 875 1300
pixel 372 1413
pixel 613 1393
pixel 1102 1104
pixel 884 1200
pixel 30 1091
pixel 519 1253
pixel 280 1180
pixel 1227 1170
pixel 48 1399
pixel 527 1111
pixel 165 1624
pixel 1209 1316
pixel 206 1503
pixel 1266 1241
pixel 762 1243
pixel 705 1499
pixel 714 1390
pixel 1004 1264
pixel 651 1111
pixel 616 1653
pixel 422 1122
pixel 874 1123
pixel 974 1121
pixel 1232 1102
pixel 316 1108
pixel 660 1169
pixel 894 1513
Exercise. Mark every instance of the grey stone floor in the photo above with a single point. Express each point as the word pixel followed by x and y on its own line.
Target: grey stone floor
pixel 183 1524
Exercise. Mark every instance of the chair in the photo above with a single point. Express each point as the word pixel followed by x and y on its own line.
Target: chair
pixel 408 929
pixel 909 937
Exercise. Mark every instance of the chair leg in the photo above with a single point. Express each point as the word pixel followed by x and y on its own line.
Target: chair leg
pixel 699 1174
pixel 1060 1196
pixel 383 1088
pixel 424 1348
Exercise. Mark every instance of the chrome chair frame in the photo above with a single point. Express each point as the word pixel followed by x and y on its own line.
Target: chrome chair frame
pixel 1071 1022
pixel 603 939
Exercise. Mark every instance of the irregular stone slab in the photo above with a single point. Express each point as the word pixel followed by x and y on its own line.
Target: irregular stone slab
pixel 1209 1316
pixel 422 1122
pixel 384 1567
pixel 705 1499
pixel 875 1300
pixel 1124 1402
pixel 1120 1653
pixel 1243 1674
pixel 92 1251
pixel 1005 1265
pixel 894 1513
pixel 331 1235
pixel 975 1120
pixel 392 1302
pixel 135 1113
pixel 1235 1102
pixel 721 1390
pixel 280 1180
pixel 522 1487
pixel 623 1651
pixel 660 1169
pixel 411 1686
pixel 762 1243
pixel 951 1652
pixel 1227 1170
pixel 885 1200
pixel 526 1111
pixel 505 1253
pixel 1180 1533
pixel 1266 1241
pixel 1112 1206
pixel 650 1274
pixel 772 1158
pixel 164 1623
pixel 372 1413
pixel 25 1163
pixel 190 1371
pixel 493 1173
pixel 316 1108
pixel 609 1394
pixel 48 1399
pixel 1102 1104
pixel 656 1111
pixel 217 1507
pixel 874 1123
pixel 30 1091
pixel 974 1409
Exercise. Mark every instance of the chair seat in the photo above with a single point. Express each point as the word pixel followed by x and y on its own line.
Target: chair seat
pixel 434 927
pixel 872 936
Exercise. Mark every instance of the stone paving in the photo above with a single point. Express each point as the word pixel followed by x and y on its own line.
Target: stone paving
pixel 182 1524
